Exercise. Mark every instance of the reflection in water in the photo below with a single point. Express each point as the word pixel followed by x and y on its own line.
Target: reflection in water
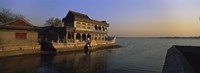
pixel 46 64
pixel 86 49
pixel 56 63
pixel 137 56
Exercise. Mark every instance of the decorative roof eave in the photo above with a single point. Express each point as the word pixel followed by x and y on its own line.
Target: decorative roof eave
pixel 92 21
pixel 85 18
pixel 77 14
pixel 11 27
pixel 17 20
pixel 19 28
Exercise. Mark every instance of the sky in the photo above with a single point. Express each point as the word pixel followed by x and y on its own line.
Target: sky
pixel 127 18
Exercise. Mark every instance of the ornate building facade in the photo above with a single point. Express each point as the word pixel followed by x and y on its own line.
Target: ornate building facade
pixel 81 28
pixel 78 31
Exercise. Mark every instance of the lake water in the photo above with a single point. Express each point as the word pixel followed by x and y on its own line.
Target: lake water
pixel 136 56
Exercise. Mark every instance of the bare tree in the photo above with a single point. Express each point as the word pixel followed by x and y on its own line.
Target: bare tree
pixel 54 22
pixel 6 15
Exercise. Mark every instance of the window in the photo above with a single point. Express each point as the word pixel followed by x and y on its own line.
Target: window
pixel 78 26
pixel 95 27
pixel 78 22
pixel 20 36
pixel 84 25
pixel 88 27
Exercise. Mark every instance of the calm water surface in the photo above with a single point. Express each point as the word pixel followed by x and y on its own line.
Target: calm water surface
pixel 136 56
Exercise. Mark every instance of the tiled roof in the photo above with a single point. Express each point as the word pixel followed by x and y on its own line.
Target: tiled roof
pixel 83 17
pixel 79 15
pixel 20 24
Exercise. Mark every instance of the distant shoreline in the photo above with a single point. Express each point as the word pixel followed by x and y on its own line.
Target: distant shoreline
pixel 158 37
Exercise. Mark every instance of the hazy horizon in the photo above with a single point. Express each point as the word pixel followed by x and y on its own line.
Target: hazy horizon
pixel 127 18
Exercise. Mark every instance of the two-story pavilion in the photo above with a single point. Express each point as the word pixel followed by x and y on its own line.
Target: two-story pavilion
pixel 80 28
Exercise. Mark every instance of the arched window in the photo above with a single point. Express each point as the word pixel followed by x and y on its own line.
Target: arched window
pixel 89 36
pixel 78 36
pixel 70 37
pixel 99 27
pixel 84 37
pixel 103 28
pixel 95 27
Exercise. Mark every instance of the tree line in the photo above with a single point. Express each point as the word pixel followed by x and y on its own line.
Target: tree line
pixel 6 15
